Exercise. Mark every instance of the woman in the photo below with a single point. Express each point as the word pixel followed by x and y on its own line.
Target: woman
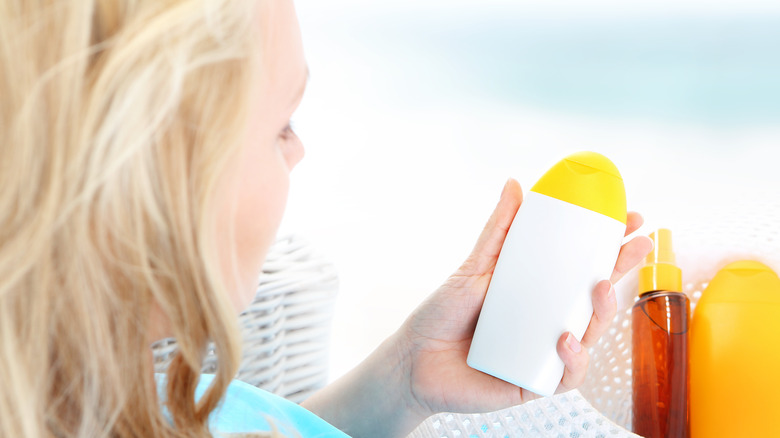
pixel 145 152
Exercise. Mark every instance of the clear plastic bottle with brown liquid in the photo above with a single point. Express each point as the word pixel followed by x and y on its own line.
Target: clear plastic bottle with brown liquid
pixel 660 346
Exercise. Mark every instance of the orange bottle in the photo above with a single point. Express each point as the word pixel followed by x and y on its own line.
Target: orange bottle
pixel 735 352
pixel 660 346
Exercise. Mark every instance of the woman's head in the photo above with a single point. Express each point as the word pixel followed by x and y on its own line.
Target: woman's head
pixel 143 172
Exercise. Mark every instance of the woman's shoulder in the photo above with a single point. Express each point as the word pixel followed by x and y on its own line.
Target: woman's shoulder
pixel 246 408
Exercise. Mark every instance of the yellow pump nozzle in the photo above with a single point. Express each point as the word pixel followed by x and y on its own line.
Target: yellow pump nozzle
pixel 660 271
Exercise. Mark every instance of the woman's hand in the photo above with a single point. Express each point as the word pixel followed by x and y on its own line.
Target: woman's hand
pixel 434 341
pixel 421 369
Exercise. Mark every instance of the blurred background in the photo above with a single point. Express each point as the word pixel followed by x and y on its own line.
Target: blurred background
pixel 417 112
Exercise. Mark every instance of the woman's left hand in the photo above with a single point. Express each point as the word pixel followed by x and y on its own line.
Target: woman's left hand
pixel 434 341
pixel 421 369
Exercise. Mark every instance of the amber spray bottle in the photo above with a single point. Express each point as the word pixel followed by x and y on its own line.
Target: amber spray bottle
pixel 660 346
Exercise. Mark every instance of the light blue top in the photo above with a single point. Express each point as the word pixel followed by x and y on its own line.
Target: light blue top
pixel 246 408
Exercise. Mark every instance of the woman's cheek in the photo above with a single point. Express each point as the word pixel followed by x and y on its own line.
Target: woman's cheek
pixel 261 204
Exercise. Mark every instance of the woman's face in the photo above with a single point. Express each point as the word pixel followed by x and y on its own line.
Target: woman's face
pixel 258 181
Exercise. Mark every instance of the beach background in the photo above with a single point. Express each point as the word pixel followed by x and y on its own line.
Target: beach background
pixel 417 112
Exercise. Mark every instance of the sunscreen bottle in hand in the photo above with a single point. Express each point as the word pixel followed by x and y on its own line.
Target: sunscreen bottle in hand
pixel 564 239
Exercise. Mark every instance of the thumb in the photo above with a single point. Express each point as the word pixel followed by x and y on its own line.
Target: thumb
pixel 485 253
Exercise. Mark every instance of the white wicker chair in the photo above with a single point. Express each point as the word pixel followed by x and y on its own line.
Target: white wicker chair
pixel 286 328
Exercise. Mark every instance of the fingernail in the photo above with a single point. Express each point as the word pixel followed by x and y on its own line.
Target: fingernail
pixel 611 294
pixel 573 344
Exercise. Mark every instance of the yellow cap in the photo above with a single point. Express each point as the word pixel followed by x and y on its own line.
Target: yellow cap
pixel 660 272
pixel 588 180
pixel 743 281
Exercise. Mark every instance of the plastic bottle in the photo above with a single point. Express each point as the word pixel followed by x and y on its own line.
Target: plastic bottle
pixel 564 239
pixel 735 352
pixel 660 346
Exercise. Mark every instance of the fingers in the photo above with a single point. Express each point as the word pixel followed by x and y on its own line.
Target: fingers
pixel 633 221
pixel 575 358
pixel 604 309
pixel 630 255
pixel 574 354
pixel 485 253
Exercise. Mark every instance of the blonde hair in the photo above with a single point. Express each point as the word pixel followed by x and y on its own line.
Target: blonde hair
pixel 117 119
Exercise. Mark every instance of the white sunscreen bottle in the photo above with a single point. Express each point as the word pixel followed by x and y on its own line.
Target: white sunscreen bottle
pixel 564 239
